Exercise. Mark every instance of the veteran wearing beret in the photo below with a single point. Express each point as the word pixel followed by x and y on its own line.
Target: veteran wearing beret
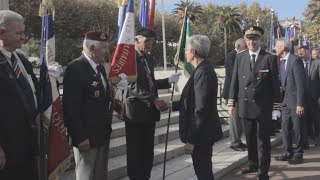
pixel 140 112
pixel 87 108
pixel 255 87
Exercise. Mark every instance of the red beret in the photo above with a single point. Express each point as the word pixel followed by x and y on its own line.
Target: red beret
pixel 97 36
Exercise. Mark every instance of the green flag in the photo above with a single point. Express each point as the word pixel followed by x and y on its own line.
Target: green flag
pixel 180 58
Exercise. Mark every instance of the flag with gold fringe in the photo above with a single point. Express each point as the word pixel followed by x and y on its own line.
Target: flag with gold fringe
pixel 124 58
pixel 57 147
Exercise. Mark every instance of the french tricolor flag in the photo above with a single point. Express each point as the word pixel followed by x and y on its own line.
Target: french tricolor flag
pixel 58 151
pixel 124 59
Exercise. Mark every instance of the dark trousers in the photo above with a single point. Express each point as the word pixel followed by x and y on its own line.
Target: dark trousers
pixel 258 143
pixel 140 142
pixel 202 164
pixel 292 125
pixel 311 119
pixel 236 128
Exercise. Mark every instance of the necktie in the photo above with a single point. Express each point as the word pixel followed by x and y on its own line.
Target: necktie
pixel 100 74
pixel 283 73
pixel 15 66
pixel 23 83
pixel 306 68
pixel 306 71
pixel 252 61
pixel 148 73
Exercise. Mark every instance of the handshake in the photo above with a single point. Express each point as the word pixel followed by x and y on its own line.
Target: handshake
pixel 162 105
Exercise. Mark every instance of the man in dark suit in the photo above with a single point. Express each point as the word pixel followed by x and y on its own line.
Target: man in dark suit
pixel 312 114
pixel 18 102
pixel 236 123
pixel 293 89
pixel 87 108
pixel 255 86
pixel 140 113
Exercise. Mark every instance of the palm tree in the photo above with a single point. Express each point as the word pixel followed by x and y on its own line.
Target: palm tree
pixel 193 9
pixel 226 19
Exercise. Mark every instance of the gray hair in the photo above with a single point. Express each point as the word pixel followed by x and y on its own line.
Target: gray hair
pixel 240 42
pixel 201 44
pixel 7 17
pixel 286 43
pixel 87 43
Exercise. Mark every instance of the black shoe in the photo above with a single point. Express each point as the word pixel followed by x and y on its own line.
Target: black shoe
pixel 276 131
pixel 241 144
pixel 250 169
pixel 284 157
pixel 237 148
pixel 296 160
pixel 306 147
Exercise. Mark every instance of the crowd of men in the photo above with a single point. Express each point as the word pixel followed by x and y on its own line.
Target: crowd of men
pixel 259 87
pixel 263 86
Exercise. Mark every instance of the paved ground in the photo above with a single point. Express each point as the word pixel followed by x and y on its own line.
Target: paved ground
pixel 309 170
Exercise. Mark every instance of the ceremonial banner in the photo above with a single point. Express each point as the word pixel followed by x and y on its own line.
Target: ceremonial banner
pixel 272 38
pixel 58 151
pixel 124 58
pixel 180 58
pixel 144 13
pixel 152 11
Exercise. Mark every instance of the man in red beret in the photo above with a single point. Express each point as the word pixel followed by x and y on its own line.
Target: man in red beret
pixel 87 108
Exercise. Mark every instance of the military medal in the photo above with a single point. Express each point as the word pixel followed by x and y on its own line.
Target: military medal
pixel 95 83
pixel 97 93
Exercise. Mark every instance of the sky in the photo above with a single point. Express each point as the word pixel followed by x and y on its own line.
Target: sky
pixel 284 8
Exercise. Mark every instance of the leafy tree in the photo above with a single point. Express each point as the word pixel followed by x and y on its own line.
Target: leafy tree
pixel 29 10
pixel 312 12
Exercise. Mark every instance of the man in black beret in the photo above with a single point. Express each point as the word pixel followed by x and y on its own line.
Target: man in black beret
pixel 88 109
pixel 255 87
pixel 140 112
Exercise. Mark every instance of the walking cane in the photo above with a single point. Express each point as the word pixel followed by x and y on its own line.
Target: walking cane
pixel 167 134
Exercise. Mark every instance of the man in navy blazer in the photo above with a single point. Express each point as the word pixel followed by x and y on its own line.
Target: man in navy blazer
pixel 293 89
pixel 18 102
pixel 312 114
pixel 236 123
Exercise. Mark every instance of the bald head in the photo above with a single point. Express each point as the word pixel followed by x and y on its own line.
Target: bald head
pixel 240 45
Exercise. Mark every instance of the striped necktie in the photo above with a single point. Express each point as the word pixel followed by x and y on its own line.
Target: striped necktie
pixel 148 73
pixel 23 83
pixel 15 66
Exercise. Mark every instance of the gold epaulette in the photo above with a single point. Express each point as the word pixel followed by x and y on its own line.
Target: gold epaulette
pixel 230 103
pixel 241 51
pixel 277 106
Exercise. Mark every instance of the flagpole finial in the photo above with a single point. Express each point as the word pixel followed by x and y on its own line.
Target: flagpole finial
pixel 258 21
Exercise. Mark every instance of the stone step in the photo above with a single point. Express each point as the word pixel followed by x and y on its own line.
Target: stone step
pixel 117 165
pixel 118 145
pixel 224 161
pixel 118 126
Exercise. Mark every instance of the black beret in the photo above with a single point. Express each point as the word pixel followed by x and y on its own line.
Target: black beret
pixel 97 36
pixel 253 31
pixel 146 32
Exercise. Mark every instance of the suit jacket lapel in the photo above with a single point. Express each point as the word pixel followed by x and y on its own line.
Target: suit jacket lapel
pixel 288 66
pixel 311 67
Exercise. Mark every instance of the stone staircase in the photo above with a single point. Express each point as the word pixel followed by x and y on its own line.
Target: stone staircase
pixel 179 165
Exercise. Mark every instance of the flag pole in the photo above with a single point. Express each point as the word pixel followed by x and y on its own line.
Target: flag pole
pixel 41 134
pixel 164 38
pixel 170 109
